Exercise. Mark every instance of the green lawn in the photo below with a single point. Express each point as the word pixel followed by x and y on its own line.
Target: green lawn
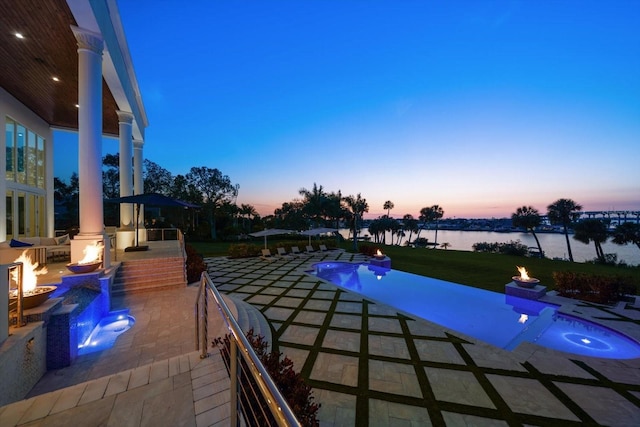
pixel 481 270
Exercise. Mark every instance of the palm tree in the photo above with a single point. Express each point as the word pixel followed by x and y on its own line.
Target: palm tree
pixel 357 207
pixel 528 218
pixel 394 227
pixel 410 224
pixel 627 232
pixel 433 213
pixel 388 205
pixel 592 230
pixel 314 202
pixel 564 212
pixel 445 245
pixel 248 211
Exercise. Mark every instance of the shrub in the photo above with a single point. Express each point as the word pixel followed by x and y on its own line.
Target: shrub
pixel 244 250
pixel 594 288
pixel 195 264
pixel 421 242
pixel 508 248
pixel 298 395
pixel 368 250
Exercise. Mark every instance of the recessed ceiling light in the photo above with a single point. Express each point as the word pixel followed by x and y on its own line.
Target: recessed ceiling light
pixel 19 35
pixel 55 79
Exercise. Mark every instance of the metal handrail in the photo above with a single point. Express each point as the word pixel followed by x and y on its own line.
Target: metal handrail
pixel 277 404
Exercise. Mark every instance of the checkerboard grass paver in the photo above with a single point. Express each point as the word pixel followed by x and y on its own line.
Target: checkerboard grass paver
pixel 371 365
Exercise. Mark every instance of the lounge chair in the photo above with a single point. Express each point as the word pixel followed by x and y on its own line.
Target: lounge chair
pixel 311 251
pixel 295 251
pixel 282 253
pixel 266 255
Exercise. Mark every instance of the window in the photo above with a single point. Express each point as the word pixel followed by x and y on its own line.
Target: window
pixel 26 155
pixel 10 133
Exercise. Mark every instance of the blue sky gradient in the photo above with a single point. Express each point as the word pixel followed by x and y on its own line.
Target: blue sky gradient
pixel 478 106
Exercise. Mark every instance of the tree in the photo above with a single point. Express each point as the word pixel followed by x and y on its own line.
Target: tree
pixel 111 176
pixel 431 214
pixel 156 179
pixel 290 215
pixel 396 230
pixel 334 208
pixel 627 232
pixel 410 224
pixel 66 201
pixel 528 218
pixel 216 189
pixel 248 211
pixel 184 190
pixel 357 207
pixel 314 203
pixel 592 230
pixel 388 205
pixel 564 212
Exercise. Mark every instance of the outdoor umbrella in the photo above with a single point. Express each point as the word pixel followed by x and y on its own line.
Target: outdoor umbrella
pixel 149 199
pixel 317 231
pixel 270 232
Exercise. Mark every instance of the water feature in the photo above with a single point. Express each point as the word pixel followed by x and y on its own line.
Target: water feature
pixel 502 320
pixel 105 333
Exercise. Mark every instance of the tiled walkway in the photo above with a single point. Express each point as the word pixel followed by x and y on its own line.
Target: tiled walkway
pixel 370 365
pixel 151 376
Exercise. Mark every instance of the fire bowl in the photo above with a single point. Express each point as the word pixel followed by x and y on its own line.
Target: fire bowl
pixel 529 283
pixel 83 268
pixel 379 256
pixel 32 299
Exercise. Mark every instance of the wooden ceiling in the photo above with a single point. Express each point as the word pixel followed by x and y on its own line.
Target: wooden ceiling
pixel 48 50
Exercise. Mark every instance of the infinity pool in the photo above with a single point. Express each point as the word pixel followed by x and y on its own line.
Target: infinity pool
pixel 502 320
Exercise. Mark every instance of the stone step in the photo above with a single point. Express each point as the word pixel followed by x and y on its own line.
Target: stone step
pixel 143 288
pixel 149 274
pixel 250 317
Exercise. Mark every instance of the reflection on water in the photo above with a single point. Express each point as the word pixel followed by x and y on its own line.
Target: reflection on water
pixel 553 244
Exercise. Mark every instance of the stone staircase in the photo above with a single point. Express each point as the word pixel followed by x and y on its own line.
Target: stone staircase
pixel 149 275
pixel 250 317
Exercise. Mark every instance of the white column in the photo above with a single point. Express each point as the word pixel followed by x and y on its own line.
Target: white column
pixel 138 185
pixel 126 172
pixel 90 46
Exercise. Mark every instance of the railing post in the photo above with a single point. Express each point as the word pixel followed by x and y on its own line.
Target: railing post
pixel 205 323
pixel 196 310
pixel 233 376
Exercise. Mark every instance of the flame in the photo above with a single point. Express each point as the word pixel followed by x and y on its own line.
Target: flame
pixel 91 253
pixel 523 273
pixel 378 253
pixel 523 318
pixel 29 273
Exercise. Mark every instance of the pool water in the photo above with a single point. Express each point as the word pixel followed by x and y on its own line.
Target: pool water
pixel 502 320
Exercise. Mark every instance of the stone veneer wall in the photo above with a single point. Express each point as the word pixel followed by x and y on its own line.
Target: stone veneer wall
pixel 22 361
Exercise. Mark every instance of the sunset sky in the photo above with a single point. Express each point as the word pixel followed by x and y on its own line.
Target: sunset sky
pixel 477 106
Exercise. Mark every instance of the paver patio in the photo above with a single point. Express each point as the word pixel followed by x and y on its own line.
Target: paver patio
pixel 370 364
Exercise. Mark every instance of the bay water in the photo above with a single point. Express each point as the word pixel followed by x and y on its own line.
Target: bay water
pixel 554 245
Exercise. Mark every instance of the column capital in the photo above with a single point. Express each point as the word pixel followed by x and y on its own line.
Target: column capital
pixel 88 40
pixel 125 117
pixel 138 143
